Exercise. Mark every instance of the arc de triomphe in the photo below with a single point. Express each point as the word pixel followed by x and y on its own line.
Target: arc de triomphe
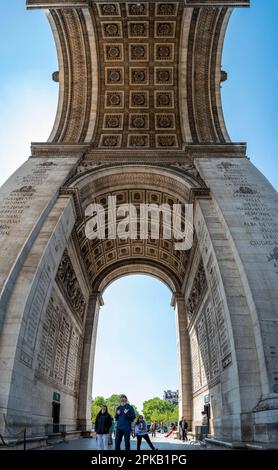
pixel 140 118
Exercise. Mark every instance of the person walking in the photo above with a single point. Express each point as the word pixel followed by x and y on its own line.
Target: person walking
pixel 183 425
pixel 141 431
pixel 102 426
pixel 124 417
pixel 153 428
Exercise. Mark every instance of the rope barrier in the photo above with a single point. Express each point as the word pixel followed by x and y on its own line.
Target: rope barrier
pixel 12 444
pixel 10 432
pixel 14 435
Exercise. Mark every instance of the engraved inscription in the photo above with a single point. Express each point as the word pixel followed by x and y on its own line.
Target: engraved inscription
pixel 257 215
pixel 205 348
pixel 59 356
pixel 33 317
pixel 18 201
pixel 217 300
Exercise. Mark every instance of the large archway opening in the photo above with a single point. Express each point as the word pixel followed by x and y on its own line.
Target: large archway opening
pixel 132 355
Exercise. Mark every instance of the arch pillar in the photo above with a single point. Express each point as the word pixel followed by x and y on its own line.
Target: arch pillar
pixel 88 358
pixel 184 359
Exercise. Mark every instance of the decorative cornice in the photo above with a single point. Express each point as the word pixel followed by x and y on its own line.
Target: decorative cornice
pixel 84 3
pixel 216 3
pixel 41 149
pixel 189 152
pixel 74 193
pixel 57 4
pixel 97 296
pixel 177 297
pixel 214 150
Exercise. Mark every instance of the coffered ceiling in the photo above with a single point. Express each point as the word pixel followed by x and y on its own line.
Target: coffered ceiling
pixel 138 55
pixel 139 75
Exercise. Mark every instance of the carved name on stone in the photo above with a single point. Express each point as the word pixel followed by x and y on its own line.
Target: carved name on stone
pixel 19 200
pixel 250 205
pixel 33 318
pixel 59 355
pixel 218 305
pixel 205 348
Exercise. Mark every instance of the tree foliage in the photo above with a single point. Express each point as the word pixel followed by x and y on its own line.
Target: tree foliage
pixel 160 410
pixel 112 403
pixel 95 407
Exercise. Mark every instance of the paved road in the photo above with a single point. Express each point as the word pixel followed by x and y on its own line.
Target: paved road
pixel 160 442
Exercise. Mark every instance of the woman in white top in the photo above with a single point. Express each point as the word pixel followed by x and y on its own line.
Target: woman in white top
pixel 141 431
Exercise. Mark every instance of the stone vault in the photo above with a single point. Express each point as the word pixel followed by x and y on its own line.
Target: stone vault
pixel 139 118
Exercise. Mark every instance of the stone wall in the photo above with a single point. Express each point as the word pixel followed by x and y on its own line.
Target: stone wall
pixel 35 229
pixel 210 345
pixel 243 230
pixel 60 344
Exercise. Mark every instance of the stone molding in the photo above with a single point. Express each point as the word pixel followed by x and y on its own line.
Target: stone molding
pixel 85 3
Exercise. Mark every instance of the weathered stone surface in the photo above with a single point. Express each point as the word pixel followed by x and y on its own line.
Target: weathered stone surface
pixel 25 201
pixel 143 123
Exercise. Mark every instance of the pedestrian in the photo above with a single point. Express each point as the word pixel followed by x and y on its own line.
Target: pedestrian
pixel 153 428
pixel 183 425
pixel 102 426
pixel 124 416
pixel 111 432
pixel 141 431
pixel 172 430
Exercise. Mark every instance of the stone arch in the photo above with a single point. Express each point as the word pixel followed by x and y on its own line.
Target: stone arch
pixel 177 148
pixel 183 353
pixel 206 299
pixel 137 184
pixel 58 294
pixel 139 268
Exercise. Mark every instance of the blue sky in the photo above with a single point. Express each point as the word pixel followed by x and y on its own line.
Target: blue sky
pixel 136 344
pixel 137 310
pixel 28 96
pixel 250 96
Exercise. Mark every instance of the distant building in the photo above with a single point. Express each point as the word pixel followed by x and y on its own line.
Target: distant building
pixel 171 396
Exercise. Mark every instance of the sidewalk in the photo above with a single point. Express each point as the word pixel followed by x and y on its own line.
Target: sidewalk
pixel 160 442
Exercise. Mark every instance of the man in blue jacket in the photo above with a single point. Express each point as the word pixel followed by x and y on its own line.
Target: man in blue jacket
pixel 124 416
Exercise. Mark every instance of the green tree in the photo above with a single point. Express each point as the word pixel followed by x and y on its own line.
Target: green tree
pixel 112 403
pixel 175 414
pixel 135 410
pixel 159 410
pixel 95 407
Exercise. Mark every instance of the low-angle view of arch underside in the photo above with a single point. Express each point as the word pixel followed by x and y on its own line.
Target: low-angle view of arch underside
pixel 139 76
pixel 139 120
